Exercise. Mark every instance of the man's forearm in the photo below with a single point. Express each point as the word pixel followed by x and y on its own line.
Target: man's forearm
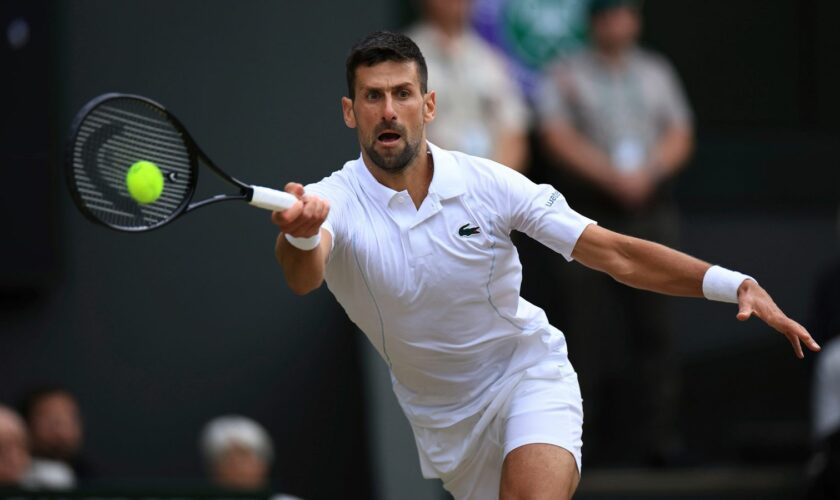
pixel 661 269
pixel 303 269
pixel 641 263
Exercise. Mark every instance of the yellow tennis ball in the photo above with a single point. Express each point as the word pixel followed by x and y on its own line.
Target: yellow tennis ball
pixel 144 182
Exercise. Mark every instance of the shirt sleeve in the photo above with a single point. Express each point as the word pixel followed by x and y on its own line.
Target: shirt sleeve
pixel 541 212
pixel 330 189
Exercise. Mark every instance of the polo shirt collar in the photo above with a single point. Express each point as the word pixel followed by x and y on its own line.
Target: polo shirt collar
pixel 447 181
pixel 380 193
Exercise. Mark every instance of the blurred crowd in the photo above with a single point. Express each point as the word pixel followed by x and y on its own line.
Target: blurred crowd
pixel 41 448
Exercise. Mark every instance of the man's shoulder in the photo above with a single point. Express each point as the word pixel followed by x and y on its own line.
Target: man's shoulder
pixel 468 163
pixel 481 174
pixel 338 184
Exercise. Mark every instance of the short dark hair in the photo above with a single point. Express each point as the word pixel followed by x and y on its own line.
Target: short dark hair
pixel 382 46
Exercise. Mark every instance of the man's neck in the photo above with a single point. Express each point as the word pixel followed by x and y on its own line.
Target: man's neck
pixel 414 178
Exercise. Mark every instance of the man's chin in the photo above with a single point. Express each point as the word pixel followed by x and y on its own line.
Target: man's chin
pixel 387 158
pixel 393 149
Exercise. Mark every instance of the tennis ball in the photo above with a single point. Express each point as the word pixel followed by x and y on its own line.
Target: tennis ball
pixel 144 182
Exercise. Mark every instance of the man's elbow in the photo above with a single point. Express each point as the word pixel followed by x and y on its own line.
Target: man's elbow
pixel 621 266
pixel 303 287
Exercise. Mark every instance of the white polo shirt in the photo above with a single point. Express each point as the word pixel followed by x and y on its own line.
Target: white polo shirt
pixel 436 289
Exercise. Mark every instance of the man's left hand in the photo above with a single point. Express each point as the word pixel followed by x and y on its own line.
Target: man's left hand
pixel 755 301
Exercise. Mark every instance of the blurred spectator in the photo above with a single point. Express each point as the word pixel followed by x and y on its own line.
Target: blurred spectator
pixel 56 436
pixel 481 110
pixel 614 118
pixel 825 468
pixel 826 399
pixel 14 454
pixel 17 468
pixel 238 452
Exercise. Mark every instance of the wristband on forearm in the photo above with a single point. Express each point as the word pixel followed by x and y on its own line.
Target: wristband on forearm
pixel 306 244
pixel 722 284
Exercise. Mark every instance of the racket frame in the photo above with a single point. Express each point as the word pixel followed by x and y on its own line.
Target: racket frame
pixel 196 156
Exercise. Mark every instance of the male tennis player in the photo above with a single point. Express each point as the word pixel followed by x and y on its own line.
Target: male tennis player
pixel 414 242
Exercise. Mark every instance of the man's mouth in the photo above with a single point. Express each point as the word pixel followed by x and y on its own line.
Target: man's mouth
pixel 388 137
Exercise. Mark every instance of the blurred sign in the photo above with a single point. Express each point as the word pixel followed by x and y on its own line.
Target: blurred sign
pixel 532 33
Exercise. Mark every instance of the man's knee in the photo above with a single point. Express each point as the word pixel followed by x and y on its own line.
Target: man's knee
pixel 539 471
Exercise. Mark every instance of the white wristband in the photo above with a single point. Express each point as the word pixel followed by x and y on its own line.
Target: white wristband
pixel 304 243
pixel 722 284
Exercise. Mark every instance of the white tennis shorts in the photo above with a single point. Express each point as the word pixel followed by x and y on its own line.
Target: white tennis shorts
pixel 543 406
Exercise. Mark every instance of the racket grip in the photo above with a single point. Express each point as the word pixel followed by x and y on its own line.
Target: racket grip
pixel 271 199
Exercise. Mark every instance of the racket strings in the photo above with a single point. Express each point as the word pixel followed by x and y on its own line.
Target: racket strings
pixel 112 137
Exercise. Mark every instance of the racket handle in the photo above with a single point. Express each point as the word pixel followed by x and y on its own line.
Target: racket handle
pixel 271 199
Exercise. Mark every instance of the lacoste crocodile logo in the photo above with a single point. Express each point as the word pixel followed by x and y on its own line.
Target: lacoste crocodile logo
pixel 465 230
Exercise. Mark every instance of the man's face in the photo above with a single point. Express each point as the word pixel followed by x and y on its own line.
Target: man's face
pixel 390 113
pixel 616 28
pixel 241 469
pixel 14 454
pixel 56 427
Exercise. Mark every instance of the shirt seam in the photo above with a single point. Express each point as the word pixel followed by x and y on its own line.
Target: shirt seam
pixel 490 280
pixel 375 305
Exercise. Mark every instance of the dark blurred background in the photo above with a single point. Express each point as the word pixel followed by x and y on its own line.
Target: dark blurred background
pixel 157 333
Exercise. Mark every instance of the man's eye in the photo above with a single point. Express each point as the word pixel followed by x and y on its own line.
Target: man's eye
pixel 404 93
pixel 372 96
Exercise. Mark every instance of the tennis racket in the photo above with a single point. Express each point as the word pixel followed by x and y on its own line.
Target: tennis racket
pixel 114 131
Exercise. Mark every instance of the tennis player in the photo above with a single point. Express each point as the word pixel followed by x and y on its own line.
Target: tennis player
pixel 414 242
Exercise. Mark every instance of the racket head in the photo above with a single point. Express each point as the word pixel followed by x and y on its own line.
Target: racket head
pixel 111 133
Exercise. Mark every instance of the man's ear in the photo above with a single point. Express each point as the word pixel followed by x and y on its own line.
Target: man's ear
pixel 429 106
pixel 347 111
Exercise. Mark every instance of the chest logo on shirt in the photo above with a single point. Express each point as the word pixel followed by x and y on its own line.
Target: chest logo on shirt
pixel 467 231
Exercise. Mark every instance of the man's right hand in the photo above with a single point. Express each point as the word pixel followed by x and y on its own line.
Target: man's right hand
pixel 304 270
pixel 305 217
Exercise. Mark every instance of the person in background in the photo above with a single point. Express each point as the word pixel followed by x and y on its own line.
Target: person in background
pixel 56 437
pixel 14 451
pixel 238 453
pixel 614 120
pixel 481 110
pixel 825 395
pixel 825 467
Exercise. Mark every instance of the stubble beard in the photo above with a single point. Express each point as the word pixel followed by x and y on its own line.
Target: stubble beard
pixel 397 162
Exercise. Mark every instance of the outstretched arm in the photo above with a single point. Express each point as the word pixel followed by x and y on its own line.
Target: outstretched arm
pixel 302 266
pixel 651 266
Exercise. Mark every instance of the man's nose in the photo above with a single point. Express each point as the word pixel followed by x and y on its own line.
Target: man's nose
pixel 388 112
